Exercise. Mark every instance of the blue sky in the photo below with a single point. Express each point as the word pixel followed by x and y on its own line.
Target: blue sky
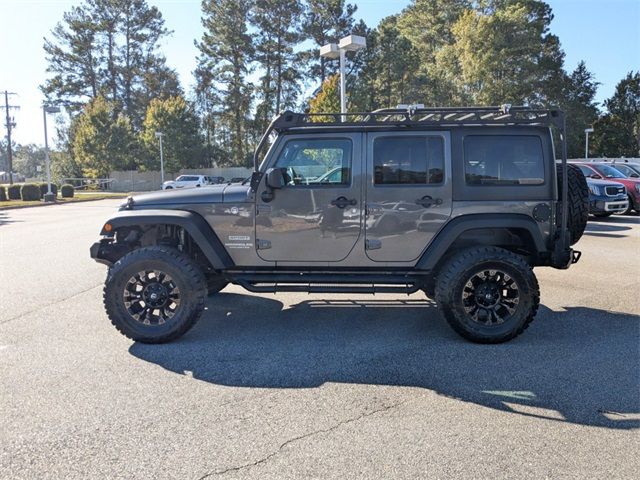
pixel 604 33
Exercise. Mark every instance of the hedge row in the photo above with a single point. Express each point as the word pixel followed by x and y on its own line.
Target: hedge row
pixel 33 191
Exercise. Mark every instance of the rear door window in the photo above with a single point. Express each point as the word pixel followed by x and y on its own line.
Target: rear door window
pixel 417 160
pixel 503 160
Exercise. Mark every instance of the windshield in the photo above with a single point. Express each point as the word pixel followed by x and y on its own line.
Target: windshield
pixel 609 172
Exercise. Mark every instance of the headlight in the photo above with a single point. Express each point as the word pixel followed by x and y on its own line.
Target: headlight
pixel 595 190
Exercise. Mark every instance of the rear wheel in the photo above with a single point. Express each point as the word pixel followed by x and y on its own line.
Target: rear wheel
pixel 154 294
pixel 487 294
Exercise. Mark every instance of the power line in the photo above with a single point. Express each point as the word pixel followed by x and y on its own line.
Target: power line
pixel 10 124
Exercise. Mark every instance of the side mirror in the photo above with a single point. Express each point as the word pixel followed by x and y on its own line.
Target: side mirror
pixel 595 176
pixel 634 175
pixel 275 178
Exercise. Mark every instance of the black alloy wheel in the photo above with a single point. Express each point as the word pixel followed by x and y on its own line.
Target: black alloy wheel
pixel 151 297
pixel 490 297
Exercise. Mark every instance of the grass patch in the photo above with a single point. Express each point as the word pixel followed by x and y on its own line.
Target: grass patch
pixel 80 197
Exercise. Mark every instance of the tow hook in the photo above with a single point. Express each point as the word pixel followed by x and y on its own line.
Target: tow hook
pixel 575 256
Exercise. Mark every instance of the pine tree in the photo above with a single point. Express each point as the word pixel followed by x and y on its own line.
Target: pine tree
pixel 74 60
pixel 617 133
pixel 276 22
pixel 226 52
pixel 109 48
pixel 579 106
pixel 502 53
pixel 325 21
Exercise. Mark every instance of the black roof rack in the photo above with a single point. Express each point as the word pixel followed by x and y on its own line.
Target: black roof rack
pixel 420 116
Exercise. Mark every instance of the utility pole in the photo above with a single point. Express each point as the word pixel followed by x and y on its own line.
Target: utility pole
pixel 9 124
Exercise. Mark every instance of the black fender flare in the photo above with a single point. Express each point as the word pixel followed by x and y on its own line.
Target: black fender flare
pixel 193 223
pixel 456 227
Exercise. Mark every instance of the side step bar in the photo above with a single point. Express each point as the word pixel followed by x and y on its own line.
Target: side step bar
pixel 328 283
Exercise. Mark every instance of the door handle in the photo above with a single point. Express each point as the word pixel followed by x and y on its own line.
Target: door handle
pixel 342 202
pixel 427 201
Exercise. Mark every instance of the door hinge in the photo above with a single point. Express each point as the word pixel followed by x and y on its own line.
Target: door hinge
pixel 263 244
pixel 372 244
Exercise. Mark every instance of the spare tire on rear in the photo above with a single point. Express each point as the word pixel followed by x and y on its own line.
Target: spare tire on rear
pixel 578 201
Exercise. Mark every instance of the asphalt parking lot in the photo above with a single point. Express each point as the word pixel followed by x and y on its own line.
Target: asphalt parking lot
pixel 296 385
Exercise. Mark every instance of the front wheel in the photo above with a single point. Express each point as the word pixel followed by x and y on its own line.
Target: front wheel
pixel 487 294
pixel 154 294
pixel 629 209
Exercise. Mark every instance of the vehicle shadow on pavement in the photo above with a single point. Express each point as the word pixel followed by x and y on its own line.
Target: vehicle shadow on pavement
pixel 5 218
pixel 579 365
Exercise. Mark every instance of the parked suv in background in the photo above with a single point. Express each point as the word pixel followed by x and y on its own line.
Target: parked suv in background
pixel 187 181
pixel 630 167
pixel 471 201
pixel 606 197
pixel 631 170
pixel 604 171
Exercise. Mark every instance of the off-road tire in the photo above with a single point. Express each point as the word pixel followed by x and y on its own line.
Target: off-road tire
pixel 578 201
pixel 461 268
pixel 186 274
pixel 215 283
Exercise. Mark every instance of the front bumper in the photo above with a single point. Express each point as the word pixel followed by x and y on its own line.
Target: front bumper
pixel 107 252
pixel 619 205
pixel 608 203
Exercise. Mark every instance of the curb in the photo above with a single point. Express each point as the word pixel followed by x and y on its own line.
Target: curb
pixel 43 204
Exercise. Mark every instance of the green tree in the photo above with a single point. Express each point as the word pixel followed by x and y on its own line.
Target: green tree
pixel 277 24
pixel 27 159
pixel 63 166
pixel 226 52
pixel 390 70
pixel 502 53
pixel 579 105
pixel 182 141
pixel 327 100
pixel 325 21
pixel 103 140
pixel 109 48
pixel 611 138
pixel 625 106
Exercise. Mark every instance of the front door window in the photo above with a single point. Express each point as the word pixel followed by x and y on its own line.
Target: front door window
pixel 316 162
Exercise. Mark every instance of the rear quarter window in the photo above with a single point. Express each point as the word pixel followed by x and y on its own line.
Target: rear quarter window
pixel 495 160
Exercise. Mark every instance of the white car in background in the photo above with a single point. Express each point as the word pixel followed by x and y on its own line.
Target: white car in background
pixel 187 181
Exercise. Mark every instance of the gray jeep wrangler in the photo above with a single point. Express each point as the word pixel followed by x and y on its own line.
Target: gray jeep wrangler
pixel 461 203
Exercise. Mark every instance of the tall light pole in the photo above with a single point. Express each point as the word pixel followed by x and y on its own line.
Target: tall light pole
pixel 159 135
pixel 350 43
pixel 587 131
pixel 49 196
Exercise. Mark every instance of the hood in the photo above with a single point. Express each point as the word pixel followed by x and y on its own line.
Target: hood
pixel 207 194
pixel 604 183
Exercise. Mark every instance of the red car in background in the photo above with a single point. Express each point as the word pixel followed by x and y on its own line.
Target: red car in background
pixel 607 172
